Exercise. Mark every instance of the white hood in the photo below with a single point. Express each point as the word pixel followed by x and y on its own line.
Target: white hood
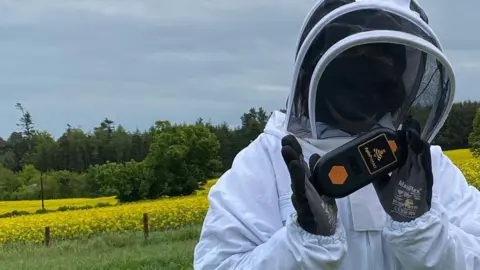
pixel 428 78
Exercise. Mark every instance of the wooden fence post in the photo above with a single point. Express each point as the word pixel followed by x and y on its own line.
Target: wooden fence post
pixel 47 236
pixel 145 225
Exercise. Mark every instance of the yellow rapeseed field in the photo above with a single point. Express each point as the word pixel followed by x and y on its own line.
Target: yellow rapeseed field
pixel 34 205
pixel 164 214
pixel 469 165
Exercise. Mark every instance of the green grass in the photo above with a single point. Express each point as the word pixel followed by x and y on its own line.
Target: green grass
pixel 163 250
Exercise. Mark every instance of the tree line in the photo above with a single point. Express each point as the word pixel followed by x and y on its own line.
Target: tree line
pixel 165 160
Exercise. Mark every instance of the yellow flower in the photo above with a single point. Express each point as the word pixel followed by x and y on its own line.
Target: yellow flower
pixel 170 213
pixel 34 205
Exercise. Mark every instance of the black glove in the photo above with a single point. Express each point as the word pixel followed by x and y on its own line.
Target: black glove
pixel 407 194
pixel 316 214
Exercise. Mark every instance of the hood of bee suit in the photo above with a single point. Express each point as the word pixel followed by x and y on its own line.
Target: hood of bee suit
pixel 372 62
pixel 361 64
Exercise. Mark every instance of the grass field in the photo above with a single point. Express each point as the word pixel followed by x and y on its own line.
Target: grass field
pixel 163 251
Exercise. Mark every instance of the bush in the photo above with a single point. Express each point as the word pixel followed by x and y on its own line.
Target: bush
pixel 26 184
pixel 9 183
pixel 181 157
pixel 14 214
pixel 129 182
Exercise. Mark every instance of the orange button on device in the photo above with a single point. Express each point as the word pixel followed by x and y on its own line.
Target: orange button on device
pixel 393 145
pixel 338 175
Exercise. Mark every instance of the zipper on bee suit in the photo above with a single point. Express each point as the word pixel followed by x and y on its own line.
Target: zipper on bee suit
pixel 371 261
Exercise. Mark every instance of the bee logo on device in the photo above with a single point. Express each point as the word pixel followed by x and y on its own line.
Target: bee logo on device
pixel 377 154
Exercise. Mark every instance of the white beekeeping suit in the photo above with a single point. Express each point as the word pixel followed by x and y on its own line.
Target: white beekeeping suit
pixel 251 220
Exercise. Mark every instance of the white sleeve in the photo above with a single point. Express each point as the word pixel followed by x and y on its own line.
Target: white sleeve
pixel 243 228
pixel 448 236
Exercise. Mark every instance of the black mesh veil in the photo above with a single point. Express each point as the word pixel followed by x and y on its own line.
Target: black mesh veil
pixel 414 76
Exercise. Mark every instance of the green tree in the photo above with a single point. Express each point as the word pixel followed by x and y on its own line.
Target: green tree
pixel 474 137
pixel 26 121
pixel 181 157
pixel 454 133
pixel 73 150
pixel 45 154
pixel 121 145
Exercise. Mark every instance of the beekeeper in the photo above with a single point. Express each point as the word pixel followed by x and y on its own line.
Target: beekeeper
pixel 359 65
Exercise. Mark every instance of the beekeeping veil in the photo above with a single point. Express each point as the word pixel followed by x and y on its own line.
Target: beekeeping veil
pixel 362 62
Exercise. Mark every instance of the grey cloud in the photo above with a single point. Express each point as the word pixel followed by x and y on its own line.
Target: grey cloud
pixel 138 61
pixel 455 22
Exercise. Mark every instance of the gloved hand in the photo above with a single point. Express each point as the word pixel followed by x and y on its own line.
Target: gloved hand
pixel 407 194
pixel 316 214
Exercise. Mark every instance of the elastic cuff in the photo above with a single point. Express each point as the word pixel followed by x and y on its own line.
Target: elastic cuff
pixel 305 236
pixel 433 216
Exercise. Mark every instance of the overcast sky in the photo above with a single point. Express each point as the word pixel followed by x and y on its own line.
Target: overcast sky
pixel 77 62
